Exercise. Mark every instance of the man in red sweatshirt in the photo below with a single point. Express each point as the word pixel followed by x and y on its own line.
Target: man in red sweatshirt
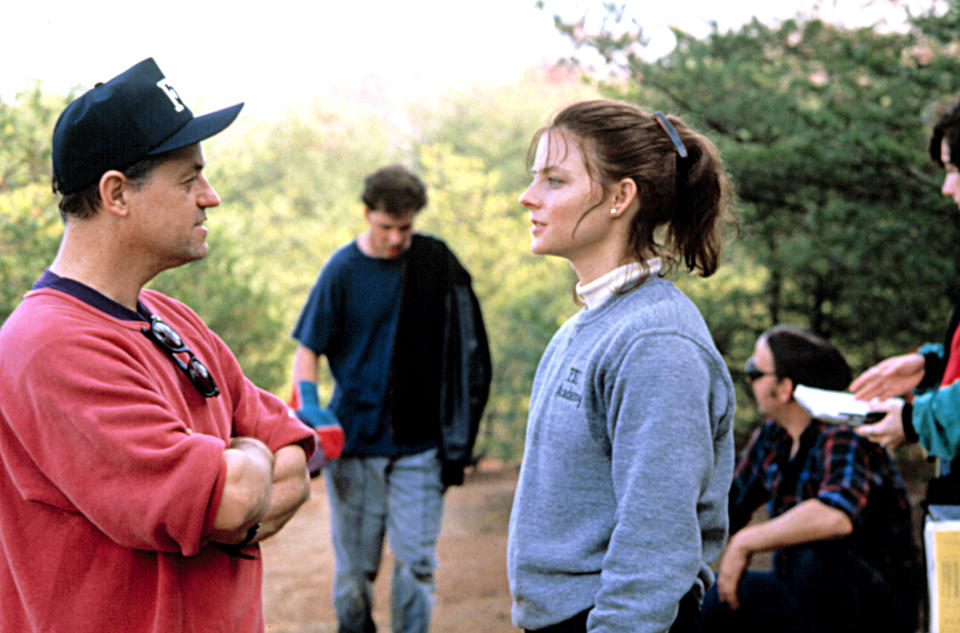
pixel 140 466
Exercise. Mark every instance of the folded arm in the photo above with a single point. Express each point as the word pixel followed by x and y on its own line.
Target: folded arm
pixel 246 493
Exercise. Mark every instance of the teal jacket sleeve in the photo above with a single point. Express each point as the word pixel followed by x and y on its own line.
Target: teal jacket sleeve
pixel 936 420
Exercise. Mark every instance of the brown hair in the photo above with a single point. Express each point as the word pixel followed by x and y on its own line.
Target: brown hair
pixel 395 190
pixel 684 202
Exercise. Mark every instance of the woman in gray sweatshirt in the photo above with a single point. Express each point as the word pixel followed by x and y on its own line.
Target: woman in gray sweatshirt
pixel 621 504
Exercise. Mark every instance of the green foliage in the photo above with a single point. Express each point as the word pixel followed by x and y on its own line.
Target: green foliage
pixel 29 222
pixel 291 189
pixel 237 306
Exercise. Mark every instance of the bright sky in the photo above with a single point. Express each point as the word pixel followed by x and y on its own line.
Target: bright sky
pixel 280 52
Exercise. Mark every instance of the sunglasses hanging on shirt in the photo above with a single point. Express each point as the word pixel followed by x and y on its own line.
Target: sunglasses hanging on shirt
pixel 169 341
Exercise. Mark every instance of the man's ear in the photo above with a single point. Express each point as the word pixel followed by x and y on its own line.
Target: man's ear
pixel 784 390
pixel 113 190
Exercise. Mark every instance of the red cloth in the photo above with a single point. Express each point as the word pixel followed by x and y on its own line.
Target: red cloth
pixel 952 371
pixel 112 474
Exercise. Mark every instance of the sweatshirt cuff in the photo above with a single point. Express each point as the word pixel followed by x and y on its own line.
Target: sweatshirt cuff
pixel 906 419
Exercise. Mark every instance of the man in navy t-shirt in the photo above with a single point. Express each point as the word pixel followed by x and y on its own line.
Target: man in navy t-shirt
pixel 394 313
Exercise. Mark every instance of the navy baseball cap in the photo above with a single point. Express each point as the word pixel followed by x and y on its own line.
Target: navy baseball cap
pixel 134 115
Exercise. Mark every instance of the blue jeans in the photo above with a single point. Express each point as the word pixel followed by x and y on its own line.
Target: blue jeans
pixel 821 587
pixel 402 497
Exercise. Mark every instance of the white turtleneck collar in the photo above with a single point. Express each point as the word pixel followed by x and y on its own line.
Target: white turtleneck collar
pixel 601 288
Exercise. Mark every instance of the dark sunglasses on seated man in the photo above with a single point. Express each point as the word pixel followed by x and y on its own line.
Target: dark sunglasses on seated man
pixel 753 373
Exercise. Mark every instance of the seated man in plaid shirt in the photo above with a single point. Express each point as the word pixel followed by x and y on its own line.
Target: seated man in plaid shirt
pixel 839 527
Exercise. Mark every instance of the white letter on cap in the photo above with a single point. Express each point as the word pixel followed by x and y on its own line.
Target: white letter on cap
pixel 168 90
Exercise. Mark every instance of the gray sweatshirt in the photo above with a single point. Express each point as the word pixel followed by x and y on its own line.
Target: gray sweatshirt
pixel 621 503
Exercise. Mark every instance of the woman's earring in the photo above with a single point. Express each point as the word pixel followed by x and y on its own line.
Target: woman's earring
pixel 613 211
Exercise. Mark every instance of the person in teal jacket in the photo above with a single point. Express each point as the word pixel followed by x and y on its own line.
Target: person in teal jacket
pixel 932 418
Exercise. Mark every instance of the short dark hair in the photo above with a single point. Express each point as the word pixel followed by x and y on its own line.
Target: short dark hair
pixel 807 359
pixel 395 190
pixel 947 127
pixel 83 204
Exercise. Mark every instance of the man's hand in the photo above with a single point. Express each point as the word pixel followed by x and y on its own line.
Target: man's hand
pixel 735 561
pixel 894 376
pixel 889 431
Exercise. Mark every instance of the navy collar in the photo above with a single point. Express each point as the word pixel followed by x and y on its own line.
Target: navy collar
pixel 91 297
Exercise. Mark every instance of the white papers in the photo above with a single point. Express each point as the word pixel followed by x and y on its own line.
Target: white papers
pixel 836 406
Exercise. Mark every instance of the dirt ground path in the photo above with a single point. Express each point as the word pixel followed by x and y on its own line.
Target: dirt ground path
pixel 471 596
